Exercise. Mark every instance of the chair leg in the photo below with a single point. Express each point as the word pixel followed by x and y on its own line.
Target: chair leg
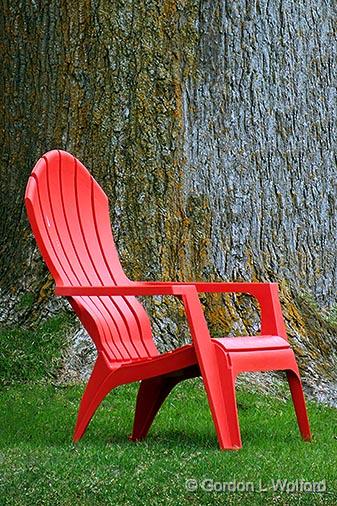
pixel 297 395
pixel 99 385
pixel 229 396
pixel 151 395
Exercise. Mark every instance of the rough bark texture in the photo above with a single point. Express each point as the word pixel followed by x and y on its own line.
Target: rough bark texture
pixel 210 125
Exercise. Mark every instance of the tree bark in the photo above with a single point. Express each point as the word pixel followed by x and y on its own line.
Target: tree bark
pixel 210 126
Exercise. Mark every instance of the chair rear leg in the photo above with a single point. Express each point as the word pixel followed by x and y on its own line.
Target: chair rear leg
pixel 98 386
pixel 297 395
pixel 151 395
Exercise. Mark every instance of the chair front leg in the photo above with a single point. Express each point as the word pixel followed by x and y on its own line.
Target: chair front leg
pixel 209 366
pixel 100 383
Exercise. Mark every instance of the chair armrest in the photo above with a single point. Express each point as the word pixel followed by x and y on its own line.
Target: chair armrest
pixel 267 295
pixel 253 289
pixel 132 290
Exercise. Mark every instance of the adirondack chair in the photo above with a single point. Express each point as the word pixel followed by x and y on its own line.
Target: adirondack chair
pixel 69 216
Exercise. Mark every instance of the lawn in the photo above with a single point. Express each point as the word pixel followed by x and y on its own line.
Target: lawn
pixel 40 465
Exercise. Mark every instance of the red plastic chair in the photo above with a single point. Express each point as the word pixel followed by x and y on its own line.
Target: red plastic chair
pixel 69 215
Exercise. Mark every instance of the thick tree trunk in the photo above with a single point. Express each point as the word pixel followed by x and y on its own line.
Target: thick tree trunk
pixel 210 126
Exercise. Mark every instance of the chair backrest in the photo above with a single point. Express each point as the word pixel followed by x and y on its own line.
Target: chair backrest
pixel 69 215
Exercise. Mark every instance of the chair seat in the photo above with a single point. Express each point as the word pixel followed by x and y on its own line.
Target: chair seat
pixel 251 343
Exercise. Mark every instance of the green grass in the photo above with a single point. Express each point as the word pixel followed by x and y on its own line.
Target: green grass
pixel 40 465
pixel 34 353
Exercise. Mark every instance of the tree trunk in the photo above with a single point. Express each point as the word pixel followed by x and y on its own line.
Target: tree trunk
pixel 210 126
